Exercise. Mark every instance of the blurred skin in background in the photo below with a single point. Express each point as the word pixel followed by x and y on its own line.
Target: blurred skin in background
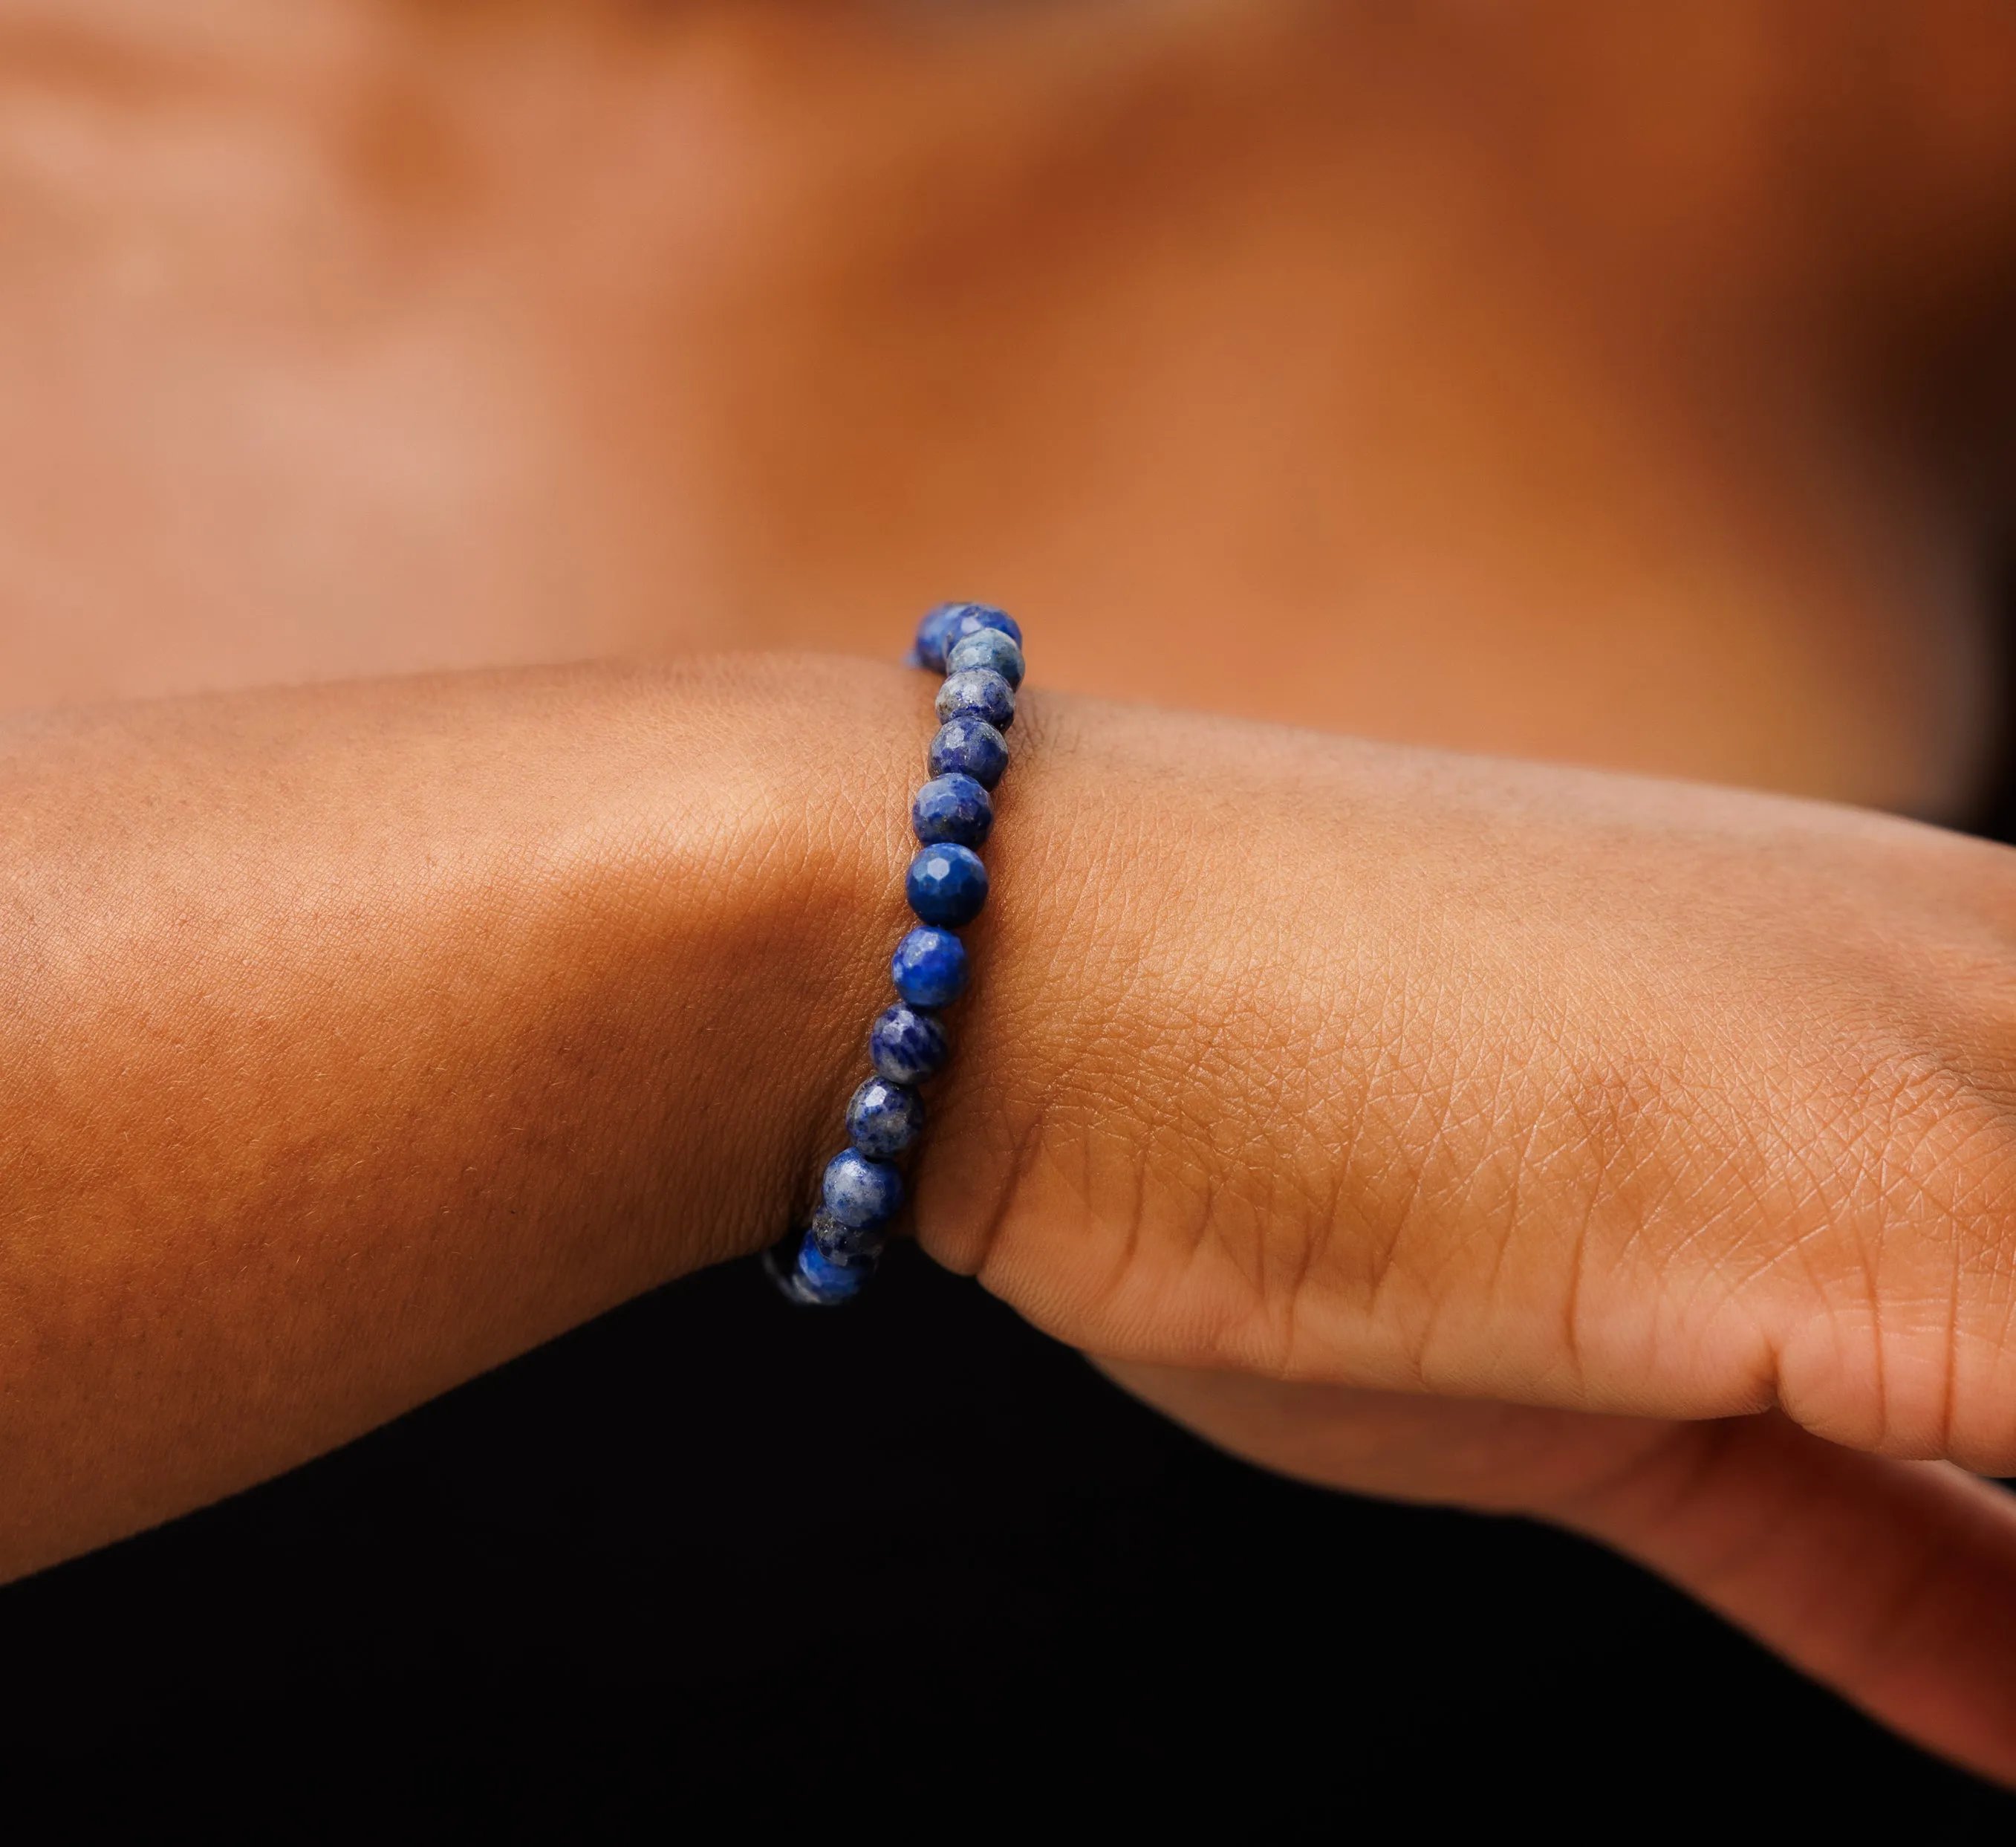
pixel 1628 386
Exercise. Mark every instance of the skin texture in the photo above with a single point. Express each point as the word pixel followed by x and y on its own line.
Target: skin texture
pixel 1703 1152
pixel 360 1038
pixel 1625 388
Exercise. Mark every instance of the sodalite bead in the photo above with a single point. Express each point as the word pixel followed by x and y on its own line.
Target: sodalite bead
pixel 979 692
pixel 948 622
pixel 845 1243
pixel 933 636
pixel 992 649
pixel 906 1046
pixel 883 1119
pixel 929 968
pixel 969 747
pixel 967 618
pixel 825 1282
pixel 953 808
pixel 946 885
pixel 857 1191
pixel 979 650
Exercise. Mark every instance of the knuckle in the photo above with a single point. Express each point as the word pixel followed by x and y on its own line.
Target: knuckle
pixel 1902 1340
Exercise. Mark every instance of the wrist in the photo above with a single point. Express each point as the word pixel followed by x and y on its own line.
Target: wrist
pixel 780 840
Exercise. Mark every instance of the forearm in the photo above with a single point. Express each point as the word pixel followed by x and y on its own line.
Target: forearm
pixel 360 1039
pixel 355 1039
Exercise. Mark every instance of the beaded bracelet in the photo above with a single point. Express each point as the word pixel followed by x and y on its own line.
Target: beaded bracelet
pixel 979 650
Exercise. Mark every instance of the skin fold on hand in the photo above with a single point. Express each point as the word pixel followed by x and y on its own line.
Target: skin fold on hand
pixel 1328 1090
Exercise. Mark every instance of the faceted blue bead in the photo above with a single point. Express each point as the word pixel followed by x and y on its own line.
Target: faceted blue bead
pixel 857 1191
pixel 993 649
pixel 967 617
pixel 978 693
pixel 929 968
pixel 946 885
pixel 845 1243
pixel 906 1046
pixel 883 1119
pixel 827 1282
pixel 953 808
pixel 935 633
pixel 969 747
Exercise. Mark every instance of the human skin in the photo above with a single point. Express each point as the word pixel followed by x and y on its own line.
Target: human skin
pixel 419 338
pixel 1624 386
pixel 356 1038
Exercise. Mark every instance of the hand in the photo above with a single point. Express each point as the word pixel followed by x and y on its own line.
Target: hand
pixel 362 1037
pixel 1630 1154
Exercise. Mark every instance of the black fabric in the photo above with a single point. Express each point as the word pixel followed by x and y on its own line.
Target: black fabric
pixel 712 1558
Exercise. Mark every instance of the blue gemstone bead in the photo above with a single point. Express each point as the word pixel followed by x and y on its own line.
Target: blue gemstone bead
pixel 845 1243
pixel 946 885
pixel 992 649
pixel 977 693
pixel 967 617
pixel 953 808
pixel 857 1191
pixel 826 1283
pixel 935 633
pixel 883 1119
pixel 906 1046
pixel 969 747
pixel 929 968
